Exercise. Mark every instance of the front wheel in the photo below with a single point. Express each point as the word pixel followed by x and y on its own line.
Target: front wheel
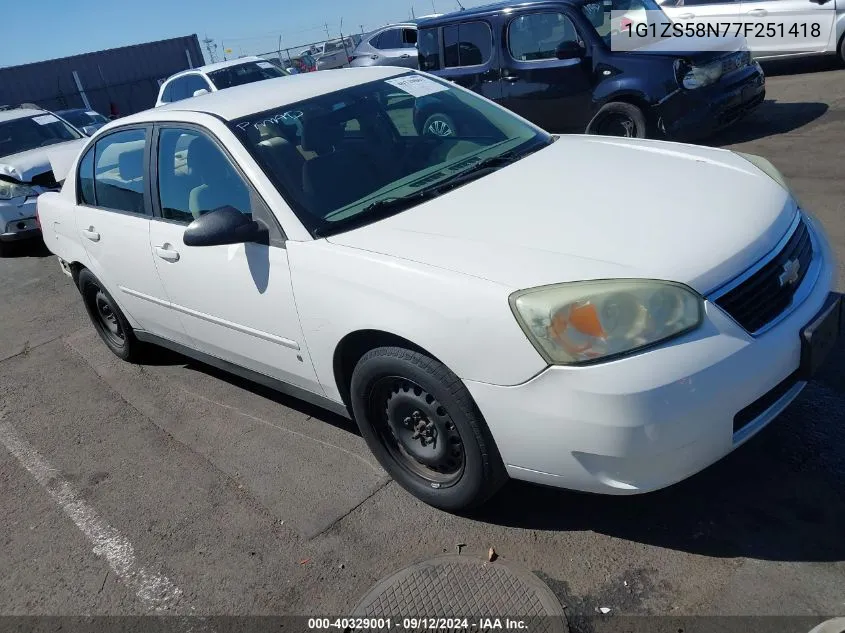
pixel 619 119
pixel 842 50
pixel 424 428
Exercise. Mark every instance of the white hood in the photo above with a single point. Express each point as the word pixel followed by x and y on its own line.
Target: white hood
pixel 27 165
pixel 592 207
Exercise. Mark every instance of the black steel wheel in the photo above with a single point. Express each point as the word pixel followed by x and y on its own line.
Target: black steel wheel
pixel 424 428
pixel 619 119
pixel 107 318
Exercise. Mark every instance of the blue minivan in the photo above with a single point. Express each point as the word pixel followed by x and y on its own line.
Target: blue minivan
pixel 551 62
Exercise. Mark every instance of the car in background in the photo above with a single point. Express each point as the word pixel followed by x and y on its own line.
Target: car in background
pixel 393 45
pixel 480 305
pixel 768 11
pixel 332 54
pixel 84 120
pixel 27 138
pixel 214 77
pixel 551 62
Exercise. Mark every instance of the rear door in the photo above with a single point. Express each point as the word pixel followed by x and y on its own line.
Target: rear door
pixel 555 94
pixel 113 222
pixel 397 47
pixel 799 19
pixel 469 57
pixel 710 11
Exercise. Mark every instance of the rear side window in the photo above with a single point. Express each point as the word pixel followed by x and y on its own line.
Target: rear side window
pixel 119 178
pixel 537 36
pixel 429 47
pixel 468 44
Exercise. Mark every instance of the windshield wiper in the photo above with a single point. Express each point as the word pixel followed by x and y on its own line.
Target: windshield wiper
pixel 378 210
pixel 387 207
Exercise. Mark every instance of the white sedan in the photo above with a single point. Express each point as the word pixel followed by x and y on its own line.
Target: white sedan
pixel 602 314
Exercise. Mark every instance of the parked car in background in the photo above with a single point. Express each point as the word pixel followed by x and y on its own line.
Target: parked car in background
pixel 27 138
pixel 394 45
pixel 551 62
pixel 476 303
pixel 332 54
pixel 87 121
pixel 214 77
pixel 770 11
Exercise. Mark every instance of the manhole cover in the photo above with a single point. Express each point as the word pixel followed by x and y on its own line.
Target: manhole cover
pixel 440 593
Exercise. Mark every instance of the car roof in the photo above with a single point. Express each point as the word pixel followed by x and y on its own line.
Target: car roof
pixel 19 113
pixel 488 8
pixel 239 101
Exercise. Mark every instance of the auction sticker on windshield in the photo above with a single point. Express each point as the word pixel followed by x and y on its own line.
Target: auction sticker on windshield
pixel 45 119
pixel 417 85
pixel 265 65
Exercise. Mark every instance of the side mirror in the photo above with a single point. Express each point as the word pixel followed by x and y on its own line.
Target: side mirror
pixel 225 226
pixel 89 130
pixel 200 92
pixel 569 50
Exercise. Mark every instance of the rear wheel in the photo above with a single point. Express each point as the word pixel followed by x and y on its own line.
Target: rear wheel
pixel 421 424
pixel 842 50
pixel 107 318
pixel 619 119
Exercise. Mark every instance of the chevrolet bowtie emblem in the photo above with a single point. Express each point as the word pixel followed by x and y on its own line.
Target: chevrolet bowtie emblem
pixel 791 271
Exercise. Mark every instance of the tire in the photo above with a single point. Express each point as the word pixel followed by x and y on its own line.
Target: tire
pixel 440 125
pixel 107 318
pixel 619 119
pixel 424 428
pixel 4 249
pixel 842 51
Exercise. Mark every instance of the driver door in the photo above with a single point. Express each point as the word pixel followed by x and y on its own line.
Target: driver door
pixel 235 301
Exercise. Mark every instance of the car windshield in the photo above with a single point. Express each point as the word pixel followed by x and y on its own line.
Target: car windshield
pixel 611 17
pixel 81 118
pixel 21 135
pixel 353 156
pixel 246 73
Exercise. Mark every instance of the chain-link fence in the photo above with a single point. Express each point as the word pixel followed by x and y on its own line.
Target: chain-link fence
pixel 320 55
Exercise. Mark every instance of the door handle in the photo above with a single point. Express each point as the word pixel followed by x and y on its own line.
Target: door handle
pixel 510 78
pixel 91 234
pixel 687 16
pixel 167 253
pixel 758 12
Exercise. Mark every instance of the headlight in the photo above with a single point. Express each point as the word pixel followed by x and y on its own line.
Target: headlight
pixel 581 322
pixel 9 190
pixel 700 76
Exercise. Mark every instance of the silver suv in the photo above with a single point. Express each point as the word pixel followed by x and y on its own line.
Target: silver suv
pixel 393 45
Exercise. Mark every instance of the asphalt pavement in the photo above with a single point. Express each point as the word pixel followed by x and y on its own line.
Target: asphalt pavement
pixel 172 487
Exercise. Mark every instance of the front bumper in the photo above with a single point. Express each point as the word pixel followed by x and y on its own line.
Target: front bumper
pixel 647 421
pixel 18 222
pixel 689 115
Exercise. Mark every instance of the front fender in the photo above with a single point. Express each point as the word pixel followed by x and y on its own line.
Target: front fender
pixel 464 321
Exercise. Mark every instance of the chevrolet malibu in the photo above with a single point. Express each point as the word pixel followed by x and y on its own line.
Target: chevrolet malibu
pixel 502 303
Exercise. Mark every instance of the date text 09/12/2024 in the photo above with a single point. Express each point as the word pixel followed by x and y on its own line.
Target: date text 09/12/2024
pixel 417 624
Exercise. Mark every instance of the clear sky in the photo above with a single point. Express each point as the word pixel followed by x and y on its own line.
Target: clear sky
pixel 45 29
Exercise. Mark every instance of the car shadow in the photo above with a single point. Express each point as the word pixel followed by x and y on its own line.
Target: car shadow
pixel 27 248
pixel 801 65
pixel 779 497
pixel 770 118
pixel 159 356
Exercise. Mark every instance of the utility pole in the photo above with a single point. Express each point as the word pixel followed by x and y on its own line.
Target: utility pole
pixel 208 46
pixel 328 35
pixel 461 5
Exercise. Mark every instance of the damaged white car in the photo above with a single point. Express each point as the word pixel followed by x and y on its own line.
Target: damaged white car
pixel 29 139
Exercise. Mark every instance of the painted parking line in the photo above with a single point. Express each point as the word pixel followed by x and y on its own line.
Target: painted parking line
pixel 155 591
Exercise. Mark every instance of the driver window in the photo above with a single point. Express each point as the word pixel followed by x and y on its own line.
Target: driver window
pixel 537 36
pixel 196 177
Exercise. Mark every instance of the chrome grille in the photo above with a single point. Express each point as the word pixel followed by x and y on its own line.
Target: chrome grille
pixel 768 292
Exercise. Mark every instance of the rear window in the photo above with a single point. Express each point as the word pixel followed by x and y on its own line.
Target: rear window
pixel 244 74
pixel 429 48
pixel 467 44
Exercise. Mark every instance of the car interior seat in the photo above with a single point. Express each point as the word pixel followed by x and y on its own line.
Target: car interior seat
pixel 221 185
